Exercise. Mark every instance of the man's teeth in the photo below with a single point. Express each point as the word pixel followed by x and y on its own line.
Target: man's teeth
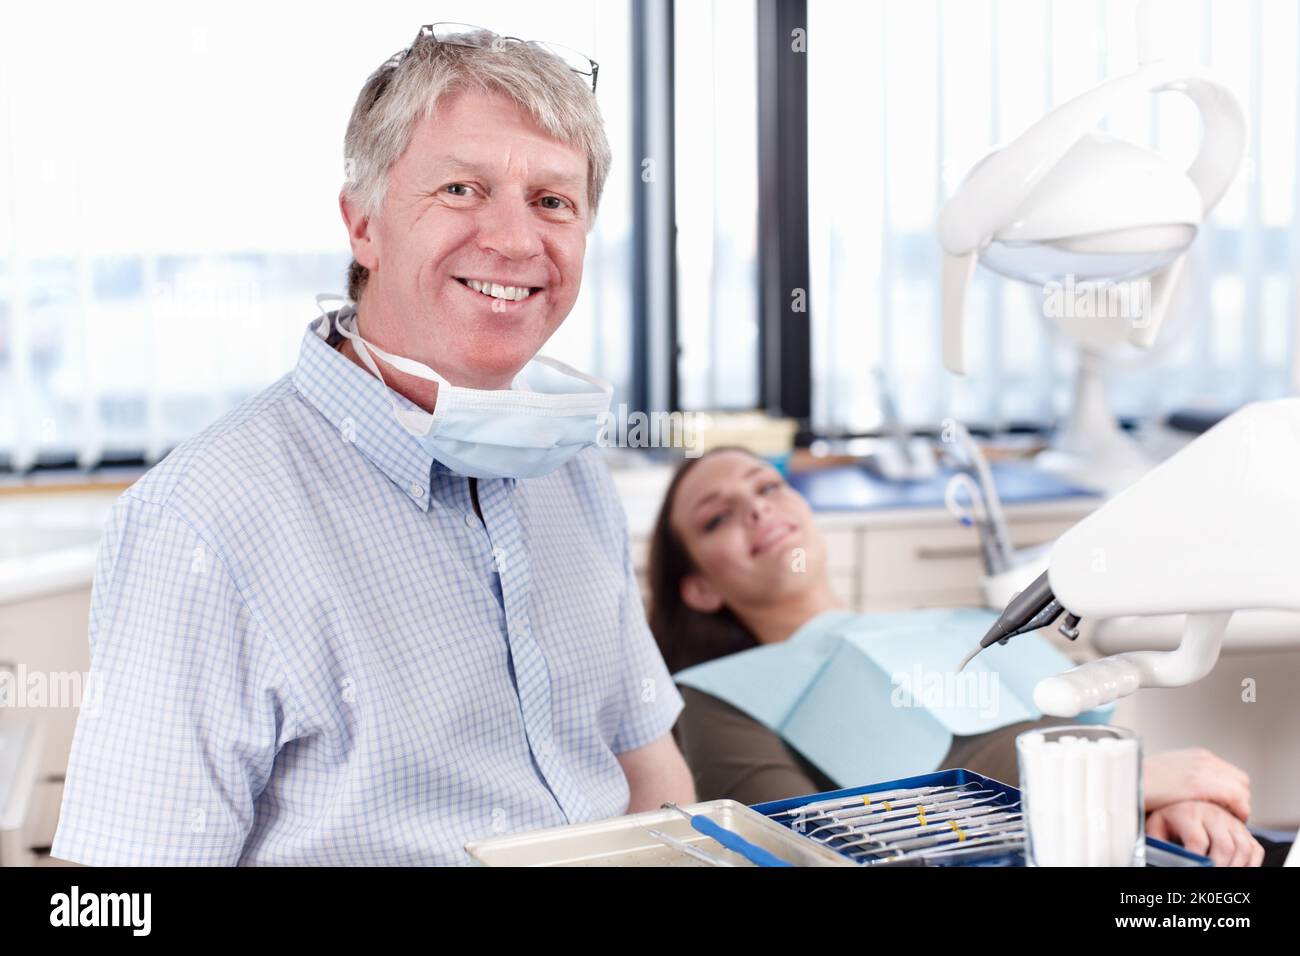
pixel 513 293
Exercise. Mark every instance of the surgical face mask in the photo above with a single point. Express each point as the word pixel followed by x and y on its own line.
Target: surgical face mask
pixel 550 413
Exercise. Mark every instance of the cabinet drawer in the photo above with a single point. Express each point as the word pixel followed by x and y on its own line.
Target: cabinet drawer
pixel 845 586
pixel 842 551
pixel 916 600
pixel 936 559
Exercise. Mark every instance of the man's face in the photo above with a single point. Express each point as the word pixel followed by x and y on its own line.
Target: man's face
pixel 481 197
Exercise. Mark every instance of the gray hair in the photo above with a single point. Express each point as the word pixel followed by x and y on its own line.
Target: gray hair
pixel 403 91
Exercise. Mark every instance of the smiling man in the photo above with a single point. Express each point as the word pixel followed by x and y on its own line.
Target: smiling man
pixel 387 606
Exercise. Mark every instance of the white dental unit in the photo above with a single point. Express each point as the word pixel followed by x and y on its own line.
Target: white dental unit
pixel 1064 202
pixel 1211 530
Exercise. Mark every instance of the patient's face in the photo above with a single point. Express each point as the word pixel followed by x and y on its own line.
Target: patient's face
pixel 750 534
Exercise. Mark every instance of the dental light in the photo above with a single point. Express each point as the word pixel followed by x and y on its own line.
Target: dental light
pixel 1067 203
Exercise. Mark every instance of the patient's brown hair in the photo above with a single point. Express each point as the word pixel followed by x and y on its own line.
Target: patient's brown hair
pixel 685 636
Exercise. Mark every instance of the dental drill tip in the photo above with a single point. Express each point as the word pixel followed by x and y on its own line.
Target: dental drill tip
pixel 969 657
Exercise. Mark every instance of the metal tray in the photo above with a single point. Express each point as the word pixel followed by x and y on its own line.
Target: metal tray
pixel 626 841
pixel 1158 852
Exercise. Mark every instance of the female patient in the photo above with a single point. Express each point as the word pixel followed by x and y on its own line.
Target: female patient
pixel 722 581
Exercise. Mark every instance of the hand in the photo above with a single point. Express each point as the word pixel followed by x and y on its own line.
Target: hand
pixel 1207 829
pixel 1173 776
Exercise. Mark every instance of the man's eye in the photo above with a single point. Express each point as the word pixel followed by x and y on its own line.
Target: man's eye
pixel 459 189
pixel 552 202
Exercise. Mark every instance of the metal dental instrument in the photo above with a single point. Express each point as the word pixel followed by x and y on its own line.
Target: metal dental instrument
pixel 865 799
pixel 890 806
pixel 846 818
pixel 880 802
pixel 950 837
pixel 732 841
pixel 946 824
pixel 902 816
pixel 898 830
pixel 692 851
pixel 976 845
pixel 894 828
pixel 947 834
pixel 832 831
pixel 969 851
pixel 978 842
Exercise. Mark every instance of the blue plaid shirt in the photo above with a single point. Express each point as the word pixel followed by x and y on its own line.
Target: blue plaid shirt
pixel 306 647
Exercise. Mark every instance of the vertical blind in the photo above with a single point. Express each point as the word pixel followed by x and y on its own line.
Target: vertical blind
pixel 168 204
pixel 715 65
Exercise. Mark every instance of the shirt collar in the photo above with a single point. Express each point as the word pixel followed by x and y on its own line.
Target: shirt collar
pixel 357 405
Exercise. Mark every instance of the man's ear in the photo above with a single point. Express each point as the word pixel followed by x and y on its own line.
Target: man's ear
pixel 360 235
pixel 699 595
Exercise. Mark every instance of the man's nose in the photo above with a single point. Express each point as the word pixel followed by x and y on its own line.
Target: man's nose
pixel 507 227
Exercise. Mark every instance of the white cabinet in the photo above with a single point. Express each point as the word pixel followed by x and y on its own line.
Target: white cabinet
pixel 43 643
pixel 919 563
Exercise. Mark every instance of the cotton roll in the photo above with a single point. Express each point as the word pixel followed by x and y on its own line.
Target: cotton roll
pixel 1082 799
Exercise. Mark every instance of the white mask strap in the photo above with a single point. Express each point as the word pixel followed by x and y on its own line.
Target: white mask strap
pixel 409 366
pixel 416 421
pixel 323 330
pixel 568 369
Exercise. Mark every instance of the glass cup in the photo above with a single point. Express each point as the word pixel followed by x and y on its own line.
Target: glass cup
pixel 1081 795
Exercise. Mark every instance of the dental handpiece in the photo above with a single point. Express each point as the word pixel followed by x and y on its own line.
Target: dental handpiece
pixel 1036 605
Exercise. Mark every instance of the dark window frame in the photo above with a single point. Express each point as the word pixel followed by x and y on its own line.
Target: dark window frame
pixel 785 335
pixel 784 357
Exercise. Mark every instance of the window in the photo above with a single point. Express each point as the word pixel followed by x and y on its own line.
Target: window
pixel 168 184
pixel 716 107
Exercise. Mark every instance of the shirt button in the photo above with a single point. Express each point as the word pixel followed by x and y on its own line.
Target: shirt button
pixel 471 521
pixel 415 491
